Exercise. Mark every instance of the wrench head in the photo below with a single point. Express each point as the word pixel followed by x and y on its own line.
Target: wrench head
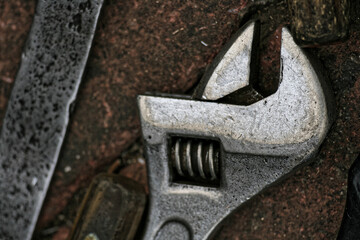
pixel 259 143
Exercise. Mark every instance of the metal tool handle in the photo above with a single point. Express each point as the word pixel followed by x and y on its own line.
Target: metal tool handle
pixel 350 226
pixel 34 127
pixel 319 21
pixel 111 209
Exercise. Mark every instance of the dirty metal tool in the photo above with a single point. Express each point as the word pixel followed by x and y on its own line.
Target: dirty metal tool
pixel 34 126
pixel 316 22
pixel 207 157
pixel 112 209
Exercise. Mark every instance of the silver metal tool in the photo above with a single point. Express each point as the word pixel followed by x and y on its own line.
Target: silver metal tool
pixel 206 158
pixel 34 126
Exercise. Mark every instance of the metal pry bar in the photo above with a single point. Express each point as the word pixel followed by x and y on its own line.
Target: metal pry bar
pixel 37 116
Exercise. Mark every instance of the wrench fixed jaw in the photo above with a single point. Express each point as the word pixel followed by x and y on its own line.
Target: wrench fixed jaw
pixel 261 144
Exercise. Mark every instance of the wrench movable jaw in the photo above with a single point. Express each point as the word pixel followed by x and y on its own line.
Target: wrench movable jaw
pixel 231 68
pixel 261 143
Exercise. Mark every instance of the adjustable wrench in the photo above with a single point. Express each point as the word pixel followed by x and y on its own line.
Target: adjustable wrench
pixel 206 157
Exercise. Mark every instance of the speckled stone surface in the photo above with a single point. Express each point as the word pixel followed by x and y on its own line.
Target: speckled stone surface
pixel 161 46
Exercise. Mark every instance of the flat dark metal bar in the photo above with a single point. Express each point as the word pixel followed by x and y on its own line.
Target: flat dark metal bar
pixel 112 209
pixel 37 116
pixel 351 220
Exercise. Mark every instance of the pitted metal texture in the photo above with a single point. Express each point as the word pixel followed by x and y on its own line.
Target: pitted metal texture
pixel 260 143
pixel 34 126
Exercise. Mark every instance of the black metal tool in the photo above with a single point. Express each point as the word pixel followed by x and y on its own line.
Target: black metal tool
pixel 112 209
pixel 350 226
pixel 317 22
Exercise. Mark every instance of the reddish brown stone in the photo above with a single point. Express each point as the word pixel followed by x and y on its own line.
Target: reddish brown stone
pixel 136 172
pixel 160 46
pixel 62 233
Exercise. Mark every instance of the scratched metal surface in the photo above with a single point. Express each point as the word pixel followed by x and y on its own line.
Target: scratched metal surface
pixel 35 123
pixel 261 143
pixel 309 205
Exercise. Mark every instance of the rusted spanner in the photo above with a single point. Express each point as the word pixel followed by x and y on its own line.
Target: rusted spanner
pixel 37 116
